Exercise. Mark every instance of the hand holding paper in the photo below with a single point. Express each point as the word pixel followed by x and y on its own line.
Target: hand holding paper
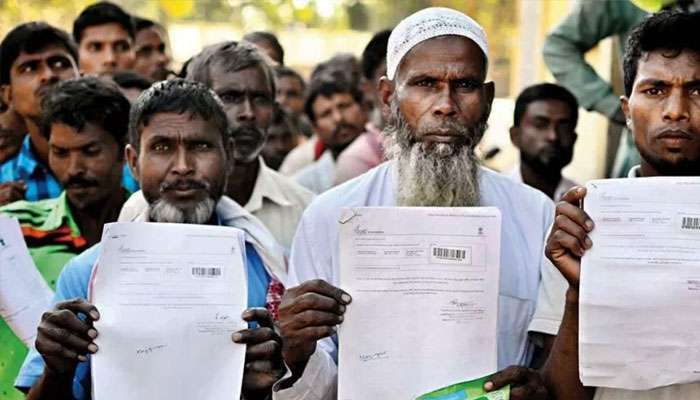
pixel 168 310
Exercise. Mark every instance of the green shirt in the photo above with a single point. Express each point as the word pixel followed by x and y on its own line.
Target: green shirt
pixel 53 238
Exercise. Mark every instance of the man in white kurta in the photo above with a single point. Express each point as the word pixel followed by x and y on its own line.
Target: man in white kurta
pixel 434 124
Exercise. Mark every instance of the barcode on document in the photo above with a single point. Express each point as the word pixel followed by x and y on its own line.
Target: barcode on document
pixel 691 223
pixel 206 272
pixel 449 254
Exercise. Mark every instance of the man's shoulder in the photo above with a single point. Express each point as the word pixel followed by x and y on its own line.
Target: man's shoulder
pixel 504 191
pixel 293 191
pixel 298 158
pixel 8 170
pixel 356 192
pixel 30 212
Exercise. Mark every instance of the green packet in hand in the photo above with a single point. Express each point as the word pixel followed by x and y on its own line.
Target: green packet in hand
pixel 470 390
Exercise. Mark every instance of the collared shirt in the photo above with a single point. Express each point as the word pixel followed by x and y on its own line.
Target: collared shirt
pixel 300 157
pixel 365 153
pixel 550 311
pixel 526 217
pixel 278 202
pixel 564 184
pixel 319 176
pixel 53 238
pixel 26 166
pixel 41 184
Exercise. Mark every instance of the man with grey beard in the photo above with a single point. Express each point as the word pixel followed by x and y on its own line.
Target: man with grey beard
pixel 436 102
pixel 179 148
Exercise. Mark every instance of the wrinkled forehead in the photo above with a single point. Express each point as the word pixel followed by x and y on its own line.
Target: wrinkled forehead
pixel 448 55
pixel 666 65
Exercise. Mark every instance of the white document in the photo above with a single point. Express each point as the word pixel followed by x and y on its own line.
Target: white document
pixel 169 297
pixel 424 284
pixel 24 293
pixel 639 305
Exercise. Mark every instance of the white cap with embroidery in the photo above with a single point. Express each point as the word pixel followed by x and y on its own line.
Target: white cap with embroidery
pixel 427 24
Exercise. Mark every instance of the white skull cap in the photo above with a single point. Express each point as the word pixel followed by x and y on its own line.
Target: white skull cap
pixel 427 24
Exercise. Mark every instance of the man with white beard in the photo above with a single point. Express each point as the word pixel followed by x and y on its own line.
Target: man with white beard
pixel 179 146
pixel 437 103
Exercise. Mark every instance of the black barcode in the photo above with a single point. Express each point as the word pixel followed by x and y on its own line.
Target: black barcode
pixel 692 223
pixel 203 271
pixel 450 254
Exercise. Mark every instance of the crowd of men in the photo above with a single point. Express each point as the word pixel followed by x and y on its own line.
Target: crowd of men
pixel 96 127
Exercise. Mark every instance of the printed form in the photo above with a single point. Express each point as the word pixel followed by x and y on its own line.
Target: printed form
pixel 169 297
pixel 24 294
pixel 639 305
pixel 424 284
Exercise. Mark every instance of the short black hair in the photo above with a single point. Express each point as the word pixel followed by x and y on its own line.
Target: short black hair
pixel 77 102
pixel 283 72
pixel 234 56
pixel 141 23
pixel 131 80
pixel 32 37
pixel 328 88
pixel 344 66
pixel 670 31
pixel 544 91
pixel 375 53
pixel 176 96
pixel 102 13
pixel 269 38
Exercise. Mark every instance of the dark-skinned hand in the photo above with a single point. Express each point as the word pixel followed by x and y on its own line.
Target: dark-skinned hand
pixel 263 356
pixel 309 312
pixel 64 339
pixel 11 192
pixel 525 383
pixel 568 240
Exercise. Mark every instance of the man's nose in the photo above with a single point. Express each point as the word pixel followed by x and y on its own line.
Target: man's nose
pixel 444 105
pixel 183 163
pixel 246 111
pixel 676 107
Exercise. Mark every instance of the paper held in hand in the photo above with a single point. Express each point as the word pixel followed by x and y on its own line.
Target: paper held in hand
pixel 169 297
pixel 24 294
pixel 424 284
pixel 639 302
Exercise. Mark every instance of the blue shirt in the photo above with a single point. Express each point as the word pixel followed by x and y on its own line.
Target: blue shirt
pixel 41 184
pixel 73 283
pixel 26 166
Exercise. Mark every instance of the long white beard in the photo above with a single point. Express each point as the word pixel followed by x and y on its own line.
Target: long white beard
pixel 163 211
pixel 435 175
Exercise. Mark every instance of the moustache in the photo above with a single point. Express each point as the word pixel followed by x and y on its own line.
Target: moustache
pixel 246 133
pixel 42 90
pixel 184 184
pixel 341 127
pixel 80 182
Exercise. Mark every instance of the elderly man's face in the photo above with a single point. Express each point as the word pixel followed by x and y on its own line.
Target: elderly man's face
pixel 440 85
pixel 249 103
pixel 663 111
pixel 181 167
pixel 436 110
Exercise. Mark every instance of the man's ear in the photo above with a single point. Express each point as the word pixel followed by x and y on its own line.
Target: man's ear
pixel 6 94
pixel 489 92
pixel 625 105
pixel 515 136
pixel 132 158
pixel 386 89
